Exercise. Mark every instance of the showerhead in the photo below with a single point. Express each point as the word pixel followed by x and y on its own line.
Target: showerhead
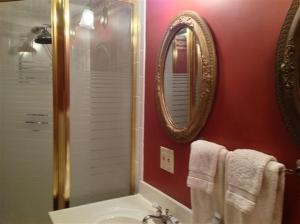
pixel 43 35
pixel 43 39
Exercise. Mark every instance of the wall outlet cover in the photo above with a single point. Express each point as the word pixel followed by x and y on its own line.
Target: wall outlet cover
pixel 167 159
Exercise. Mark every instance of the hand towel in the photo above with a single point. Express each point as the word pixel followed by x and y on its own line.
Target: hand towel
pixel 206 179
pixel 203 165
pixel 269 203
pixel 245 171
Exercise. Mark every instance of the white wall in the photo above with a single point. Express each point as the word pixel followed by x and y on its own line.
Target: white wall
pixel 140 98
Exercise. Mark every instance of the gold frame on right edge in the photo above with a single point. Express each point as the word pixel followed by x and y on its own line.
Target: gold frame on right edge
pixel 207 77
pixel 288 71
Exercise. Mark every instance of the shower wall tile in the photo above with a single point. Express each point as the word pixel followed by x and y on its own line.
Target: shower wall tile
pixel 140 91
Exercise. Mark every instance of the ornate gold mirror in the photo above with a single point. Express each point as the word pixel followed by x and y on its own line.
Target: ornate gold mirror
pixel 287 71
pixel 186 76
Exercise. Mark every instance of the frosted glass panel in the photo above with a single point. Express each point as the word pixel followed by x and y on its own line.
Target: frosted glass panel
pixel 101 76
pixel 26 124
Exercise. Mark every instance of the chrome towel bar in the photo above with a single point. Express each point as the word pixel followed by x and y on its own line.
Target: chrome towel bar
pixel 294 171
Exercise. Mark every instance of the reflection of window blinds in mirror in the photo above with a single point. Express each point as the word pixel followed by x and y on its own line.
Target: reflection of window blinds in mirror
pixel 178 96
pixel 26 132
pixel 176 90
pixel 101 76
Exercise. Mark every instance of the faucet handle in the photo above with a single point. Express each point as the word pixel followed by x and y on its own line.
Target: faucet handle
pixel 174 220
pixel 167 211
pixel 158 208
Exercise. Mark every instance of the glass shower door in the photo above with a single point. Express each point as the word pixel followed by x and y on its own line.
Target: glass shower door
pixel 26 120
pixel 101 78
pixel 101 99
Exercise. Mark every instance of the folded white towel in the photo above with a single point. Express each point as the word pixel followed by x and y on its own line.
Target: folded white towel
pixel 206 179
pixel 203 165
pixel 269 203
pixel 245 169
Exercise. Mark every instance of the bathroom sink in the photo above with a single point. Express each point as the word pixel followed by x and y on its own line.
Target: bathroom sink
pixel 120 220
pixel 125 210
pixel 119 215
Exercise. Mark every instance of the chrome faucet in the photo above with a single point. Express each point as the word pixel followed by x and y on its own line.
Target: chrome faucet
pixel 161 216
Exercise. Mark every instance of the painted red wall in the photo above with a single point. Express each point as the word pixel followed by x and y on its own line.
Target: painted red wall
pixel 245 113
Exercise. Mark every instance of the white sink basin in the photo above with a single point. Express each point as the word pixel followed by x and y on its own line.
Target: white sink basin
pixel 120 220
pixel 118 215
pixel 125 210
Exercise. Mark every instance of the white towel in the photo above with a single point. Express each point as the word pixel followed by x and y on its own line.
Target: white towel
pixel 206 179
pixel 245 170
pixel 267 208
pixel 203 165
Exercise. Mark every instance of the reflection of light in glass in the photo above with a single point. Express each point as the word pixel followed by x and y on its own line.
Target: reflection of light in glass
pixel 103 20
pixel 72 33
pixel 104 16
pixel 36 46
pixel 175 54
pixel 186 33
pixel 87 19
pixel 198 49
pixel 24 54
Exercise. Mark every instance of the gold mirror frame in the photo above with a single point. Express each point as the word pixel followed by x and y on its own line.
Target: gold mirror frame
pixel 287 71
pixel 208 76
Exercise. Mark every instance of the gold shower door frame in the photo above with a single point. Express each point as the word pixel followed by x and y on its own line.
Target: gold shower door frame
pixel 60 21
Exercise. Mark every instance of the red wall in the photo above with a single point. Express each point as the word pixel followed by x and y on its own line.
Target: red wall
pixel 245 113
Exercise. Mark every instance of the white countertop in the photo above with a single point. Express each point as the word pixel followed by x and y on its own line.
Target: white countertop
pixel 134 207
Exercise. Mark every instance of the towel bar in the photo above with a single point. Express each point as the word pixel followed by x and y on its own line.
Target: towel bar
pixel 294 171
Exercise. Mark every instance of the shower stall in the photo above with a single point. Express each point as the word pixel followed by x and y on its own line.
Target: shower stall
pixel 67 90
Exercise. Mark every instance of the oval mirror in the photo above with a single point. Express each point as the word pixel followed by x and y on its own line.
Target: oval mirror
pixel 288 71
pixel 186 77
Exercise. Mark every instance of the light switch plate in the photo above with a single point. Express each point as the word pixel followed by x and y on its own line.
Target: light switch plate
pixel 167 159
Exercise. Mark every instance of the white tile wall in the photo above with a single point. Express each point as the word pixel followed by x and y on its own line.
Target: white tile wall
pixel 141 4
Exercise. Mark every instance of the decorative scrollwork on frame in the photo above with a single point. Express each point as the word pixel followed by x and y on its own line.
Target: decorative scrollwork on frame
pixel 287 71
pixel 183 20
pixel 288 66
pixel 206 70
pixel 206 76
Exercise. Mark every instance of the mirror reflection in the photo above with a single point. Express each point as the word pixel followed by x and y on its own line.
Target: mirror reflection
pixel 180 82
